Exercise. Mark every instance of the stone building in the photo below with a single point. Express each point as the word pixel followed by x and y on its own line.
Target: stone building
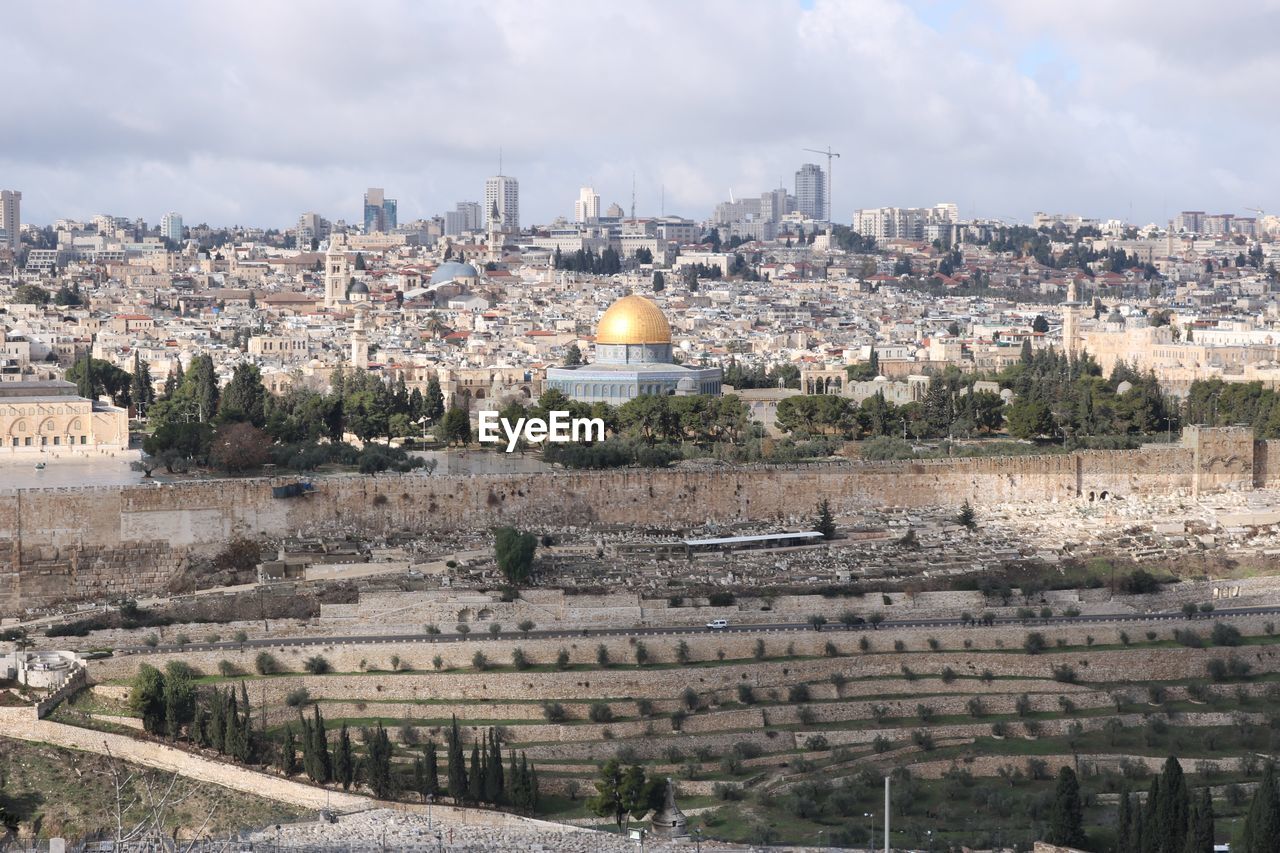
pixel 48 418
pixel 633 358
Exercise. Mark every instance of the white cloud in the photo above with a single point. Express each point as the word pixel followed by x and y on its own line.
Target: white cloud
pixel 255 111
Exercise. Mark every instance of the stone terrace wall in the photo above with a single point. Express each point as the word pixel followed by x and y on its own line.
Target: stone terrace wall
pixel 74 544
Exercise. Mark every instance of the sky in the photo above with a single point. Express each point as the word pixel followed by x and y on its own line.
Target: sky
pixel 254 112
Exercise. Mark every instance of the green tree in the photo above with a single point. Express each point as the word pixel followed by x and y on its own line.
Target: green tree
pixel 624 794
pixel 344 765
pixel 147 699
pixel 179 699
pixel 456 427
pixel 457 765
pixel 826 522
pixel 238 447
pixel 573 356
pixel 1262 821
pixel 1066 813
pixel 659 281
pixel 514 552
pixel 433 401
pixel 1172 810
pixel 244 397
pixel 141 390
pixel 379 753
pixel 289 753
pixel 1028 419
pixel 29 294
pixel 1200 828
pixel 966 517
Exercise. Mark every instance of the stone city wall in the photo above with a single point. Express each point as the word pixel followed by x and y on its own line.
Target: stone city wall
pixel 69 544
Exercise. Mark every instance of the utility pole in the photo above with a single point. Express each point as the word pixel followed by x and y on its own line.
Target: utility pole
pixel 886 814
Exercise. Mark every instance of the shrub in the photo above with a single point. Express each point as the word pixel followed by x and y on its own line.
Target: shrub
pixel 948 675
pixel 1188 638
pixel 682 652
pixel 602 655
pixel 689 698
pixel 1139 582
pixel 830 650
pixel 677 719
pixel 644 707
pixel 526 625
pixel 462 628
pixel 1034 643
pixel 816 743
pixel 806 715
pixel 1151 636
pixel 151 640
pixel 922 739
pixel 227 669
pixel 642 654
pixel 1225 635
pixel 721 599
pixel 600 712
pixel 518 659
pixel 727 793
pixel 266 664
pixel 864 644
pixel 1022 705
pixel 1067 706
pixel 908 673
pixel 999 729
pixel 987 676
pixel 798 693
pixel 554 712
pixel 925 713
pixel 437 662
pixel 975 707
pixel 1071 611
pixel 745 696
pixel 495 628
pixel 297 698
pixel 241 636
pixel 317 665
pixel 181 640
pixel 562 659
pixel 1064 673
pixel 880 744
pixel 479 661
pixel 758 650
pixel 1124 638
pixel 934 645
pixel 899 646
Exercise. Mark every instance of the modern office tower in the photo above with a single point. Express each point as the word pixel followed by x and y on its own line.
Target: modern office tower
pixel 773 204
pixel 811 191
pixel 171 226
pixel 379 211
pixel 503 192
pixel 466 217
pixel 1190 221
pixel 312 228
pixel 11 217
pixel 587 207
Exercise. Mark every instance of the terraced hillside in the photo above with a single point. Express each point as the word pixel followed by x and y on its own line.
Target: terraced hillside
pixel 786 736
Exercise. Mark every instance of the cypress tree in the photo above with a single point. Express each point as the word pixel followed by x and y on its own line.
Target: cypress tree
pixel 1124 822
pixel 433 771
pixel 515 794
pixel 457 765
pixel 1173 809
pixel 530 773
pixel 231 722
pixel 493 792
pixel 1200 830
pixel 475 788
pixel 288 753
pixel 216 729
pixel 379 749
pixel 344 768
pixel 1150 825
pixel 308 748
pixel 320 747
pixel 1262 823
pixel 1066 814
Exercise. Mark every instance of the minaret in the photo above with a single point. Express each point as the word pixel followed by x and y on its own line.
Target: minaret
pixel 336 271
pixel 1069 330
pixel 496 235
pixel 359 343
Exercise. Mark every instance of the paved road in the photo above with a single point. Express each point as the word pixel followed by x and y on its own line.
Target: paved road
pixel 752 628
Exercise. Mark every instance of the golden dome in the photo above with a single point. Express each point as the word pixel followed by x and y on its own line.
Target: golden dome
pixel 633 320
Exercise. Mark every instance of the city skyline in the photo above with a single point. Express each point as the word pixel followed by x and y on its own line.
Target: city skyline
pixel 990 104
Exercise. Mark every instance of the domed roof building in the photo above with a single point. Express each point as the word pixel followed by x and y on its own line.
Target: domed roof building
pixel 453 271
pixel 633 357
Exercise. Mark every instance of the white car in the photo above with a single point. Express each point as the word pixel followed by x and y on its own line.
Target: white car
pixel 718 623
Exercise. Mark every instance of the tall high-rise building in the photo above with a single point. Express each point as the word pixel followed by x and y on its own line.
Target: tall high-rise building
pixel 774 204
pixel 312 228
pixel 587 207
pixel 465 217
pixel 811 191
pixel 171 226
pixel 11 217
pixel 504 192
pixel 379 211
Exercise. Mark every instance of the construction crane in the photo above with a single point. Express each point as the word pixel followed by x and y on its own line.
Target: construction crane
pixel 830 154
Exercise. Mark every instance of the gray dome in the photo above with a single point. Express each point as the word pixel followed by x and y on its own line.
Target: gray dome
pixel 359 287
pixel 450 270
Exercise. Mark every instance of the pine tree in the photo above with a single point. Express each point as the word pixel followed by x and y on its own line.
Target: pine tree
pixel 1066 814
pixel 344 768
pixel 433 404
pixel 966 517
pixel 288 753
pixel 475 778
pixel 320 749
pixel 457 765
pixel 378 773
pixel 1262 823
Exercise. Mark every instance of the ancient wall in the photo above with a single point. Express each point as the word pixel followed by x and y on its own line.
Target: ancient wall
pixel 75 544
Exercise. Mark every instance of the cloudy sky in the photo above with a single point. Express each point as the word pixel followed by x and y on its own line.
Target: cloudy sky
pixel 253 112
